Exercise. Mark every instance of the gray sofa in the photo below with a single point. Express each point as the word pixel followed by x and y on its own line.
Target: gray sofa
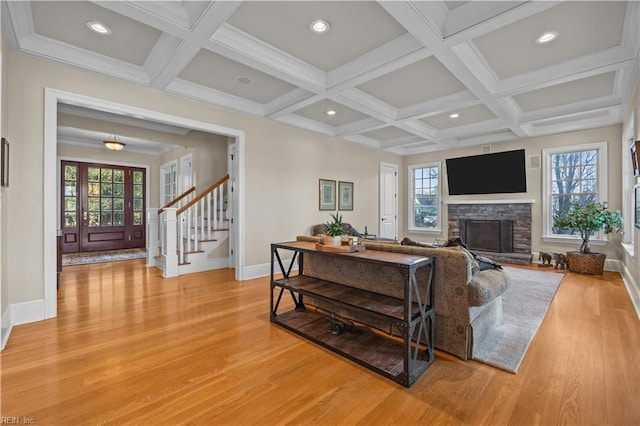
pixel 468 302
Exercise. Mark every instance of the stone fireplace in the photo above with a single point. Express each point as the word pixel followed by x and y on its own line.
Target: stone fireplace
pixel 498 230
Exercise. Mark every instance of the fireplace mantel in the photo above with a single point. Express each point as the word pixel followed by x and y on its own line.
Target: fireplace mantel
pixel 513 201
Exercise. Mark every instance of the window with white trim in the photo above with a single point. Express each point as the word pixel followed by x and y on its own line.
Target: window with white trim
pixel 573 174
pixel 424 197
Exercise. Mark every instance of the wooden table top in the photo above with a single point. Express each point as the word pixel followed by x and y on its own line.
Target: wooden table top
pixel 367 255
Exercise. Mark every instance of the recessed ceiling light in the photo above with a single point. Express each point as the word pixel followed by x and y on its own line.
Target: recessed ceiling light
pixel 546 37
pixel 319 26
pixel 454 115
pixel 331 112
pixel 243 79
pixel 99 27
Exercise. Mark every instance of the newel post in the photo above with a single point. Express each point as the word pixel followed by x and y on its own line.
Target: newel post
pixel 170 252
pixel 152 236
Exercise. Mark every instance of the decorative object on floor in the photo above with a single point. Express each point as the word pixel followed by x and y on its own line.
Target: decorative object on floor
pixel 546 259
pixel 334 230
pixel 587 219
pixel 327 194
pixel 524 305
pixel 345 195
pixel 102 256
pixel 560 261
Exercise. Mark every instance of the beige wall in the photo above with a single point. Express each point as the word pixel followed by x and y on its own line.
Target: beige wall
pixel 632 266
pixel 282 166
pixel 4 278
pixel 533 147
pixel 209 152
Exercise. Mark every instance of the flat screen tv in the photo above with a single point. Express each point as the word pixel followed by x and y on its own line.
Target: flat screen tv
pixel 495 173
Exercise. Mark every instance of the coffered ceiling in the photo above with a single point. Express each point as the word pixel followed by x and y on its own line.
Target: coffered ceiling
pixel 394 72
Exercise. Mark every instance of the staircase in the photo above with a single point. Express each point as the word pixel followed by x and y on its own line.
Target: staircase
pixel 191 233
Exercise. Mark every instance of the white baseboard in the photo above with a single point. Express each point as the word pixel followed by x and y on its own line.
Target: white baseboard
pixel 26 312
pixel 264 270
pixel 21 313
pixel 6 327
pixel 632 288
pixel 207 265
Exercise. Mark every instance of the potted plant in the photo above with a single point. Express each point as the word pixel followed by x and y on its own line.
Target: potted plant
pixel 334 230
pixel 587 219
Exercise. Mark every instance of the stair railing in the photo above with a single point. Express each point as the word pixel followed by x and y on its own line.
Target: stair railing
pixel 186 196
pixel 177 202
pixel 198 219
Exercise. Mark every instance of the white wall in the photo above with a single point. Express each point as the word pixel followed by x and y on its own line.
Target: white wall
pixel 282 166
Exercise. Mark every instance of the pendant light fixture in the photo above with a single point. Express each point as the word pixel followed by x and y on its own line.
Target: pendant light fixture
pixel 114 144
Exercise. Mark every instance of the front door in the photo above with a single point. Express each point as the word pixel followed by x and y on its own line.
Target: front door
pixel 102 207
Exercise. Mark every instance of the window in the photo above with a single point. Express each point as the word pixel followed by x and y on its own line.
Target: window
pixel 424 197
pixel 575 174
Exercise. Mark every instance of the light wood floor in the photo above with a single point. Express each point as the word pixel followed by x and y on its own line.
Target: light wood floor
pixel 131 348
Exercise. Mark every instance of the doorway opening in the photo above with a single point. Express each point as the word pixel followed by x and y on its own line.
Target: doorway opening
pixel 53 98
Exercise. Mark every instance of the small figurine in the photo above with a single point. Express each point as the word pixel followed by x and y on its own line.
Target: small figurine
pixel 546 258
pixel 561 260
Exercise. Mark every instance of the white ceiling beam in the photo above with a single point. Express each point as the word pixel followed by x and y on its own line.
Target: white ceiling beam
pixel 607 60
pixel 573 108
pixel 457 34
pixel 360 126
pixel 61 52
pixel 290 102
pixel 214 97
pixel 360 101
pixel 242 47
pixel 141 13
pixel 470 129
pixel 610 119
pixel 212 18
pixel 437 106
pixel 305 123
pixel 473 14
pixel 400 52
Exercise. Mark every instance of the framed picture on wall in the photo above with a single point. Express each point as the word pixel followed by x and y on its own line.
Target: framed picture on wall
pixel 4 163
pixel 327 194
pixel 345 195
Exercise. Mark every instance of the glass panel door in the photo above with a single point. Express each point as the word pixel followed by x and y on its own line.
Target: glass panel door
pixel 102 207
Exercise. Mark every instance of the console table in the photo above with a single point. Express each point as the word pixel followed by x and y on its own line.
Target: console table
pixel 402 358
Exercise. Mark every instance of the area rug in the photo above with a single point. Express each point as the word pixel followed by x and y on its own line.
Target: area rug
pixel 102 256
pixel 524 306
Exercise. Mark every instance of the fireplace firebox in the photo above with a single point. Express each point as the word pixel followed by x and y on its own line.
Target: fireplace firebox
pixel 487 235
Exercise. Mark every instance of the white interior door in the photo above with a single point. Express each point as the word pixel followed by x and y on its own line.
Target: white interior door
pixel 388 201
pixel 168 182
pixel 186 172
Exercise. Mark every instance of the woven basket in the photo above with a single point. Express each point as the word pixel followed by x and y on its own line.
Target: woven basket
pixel 592 263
